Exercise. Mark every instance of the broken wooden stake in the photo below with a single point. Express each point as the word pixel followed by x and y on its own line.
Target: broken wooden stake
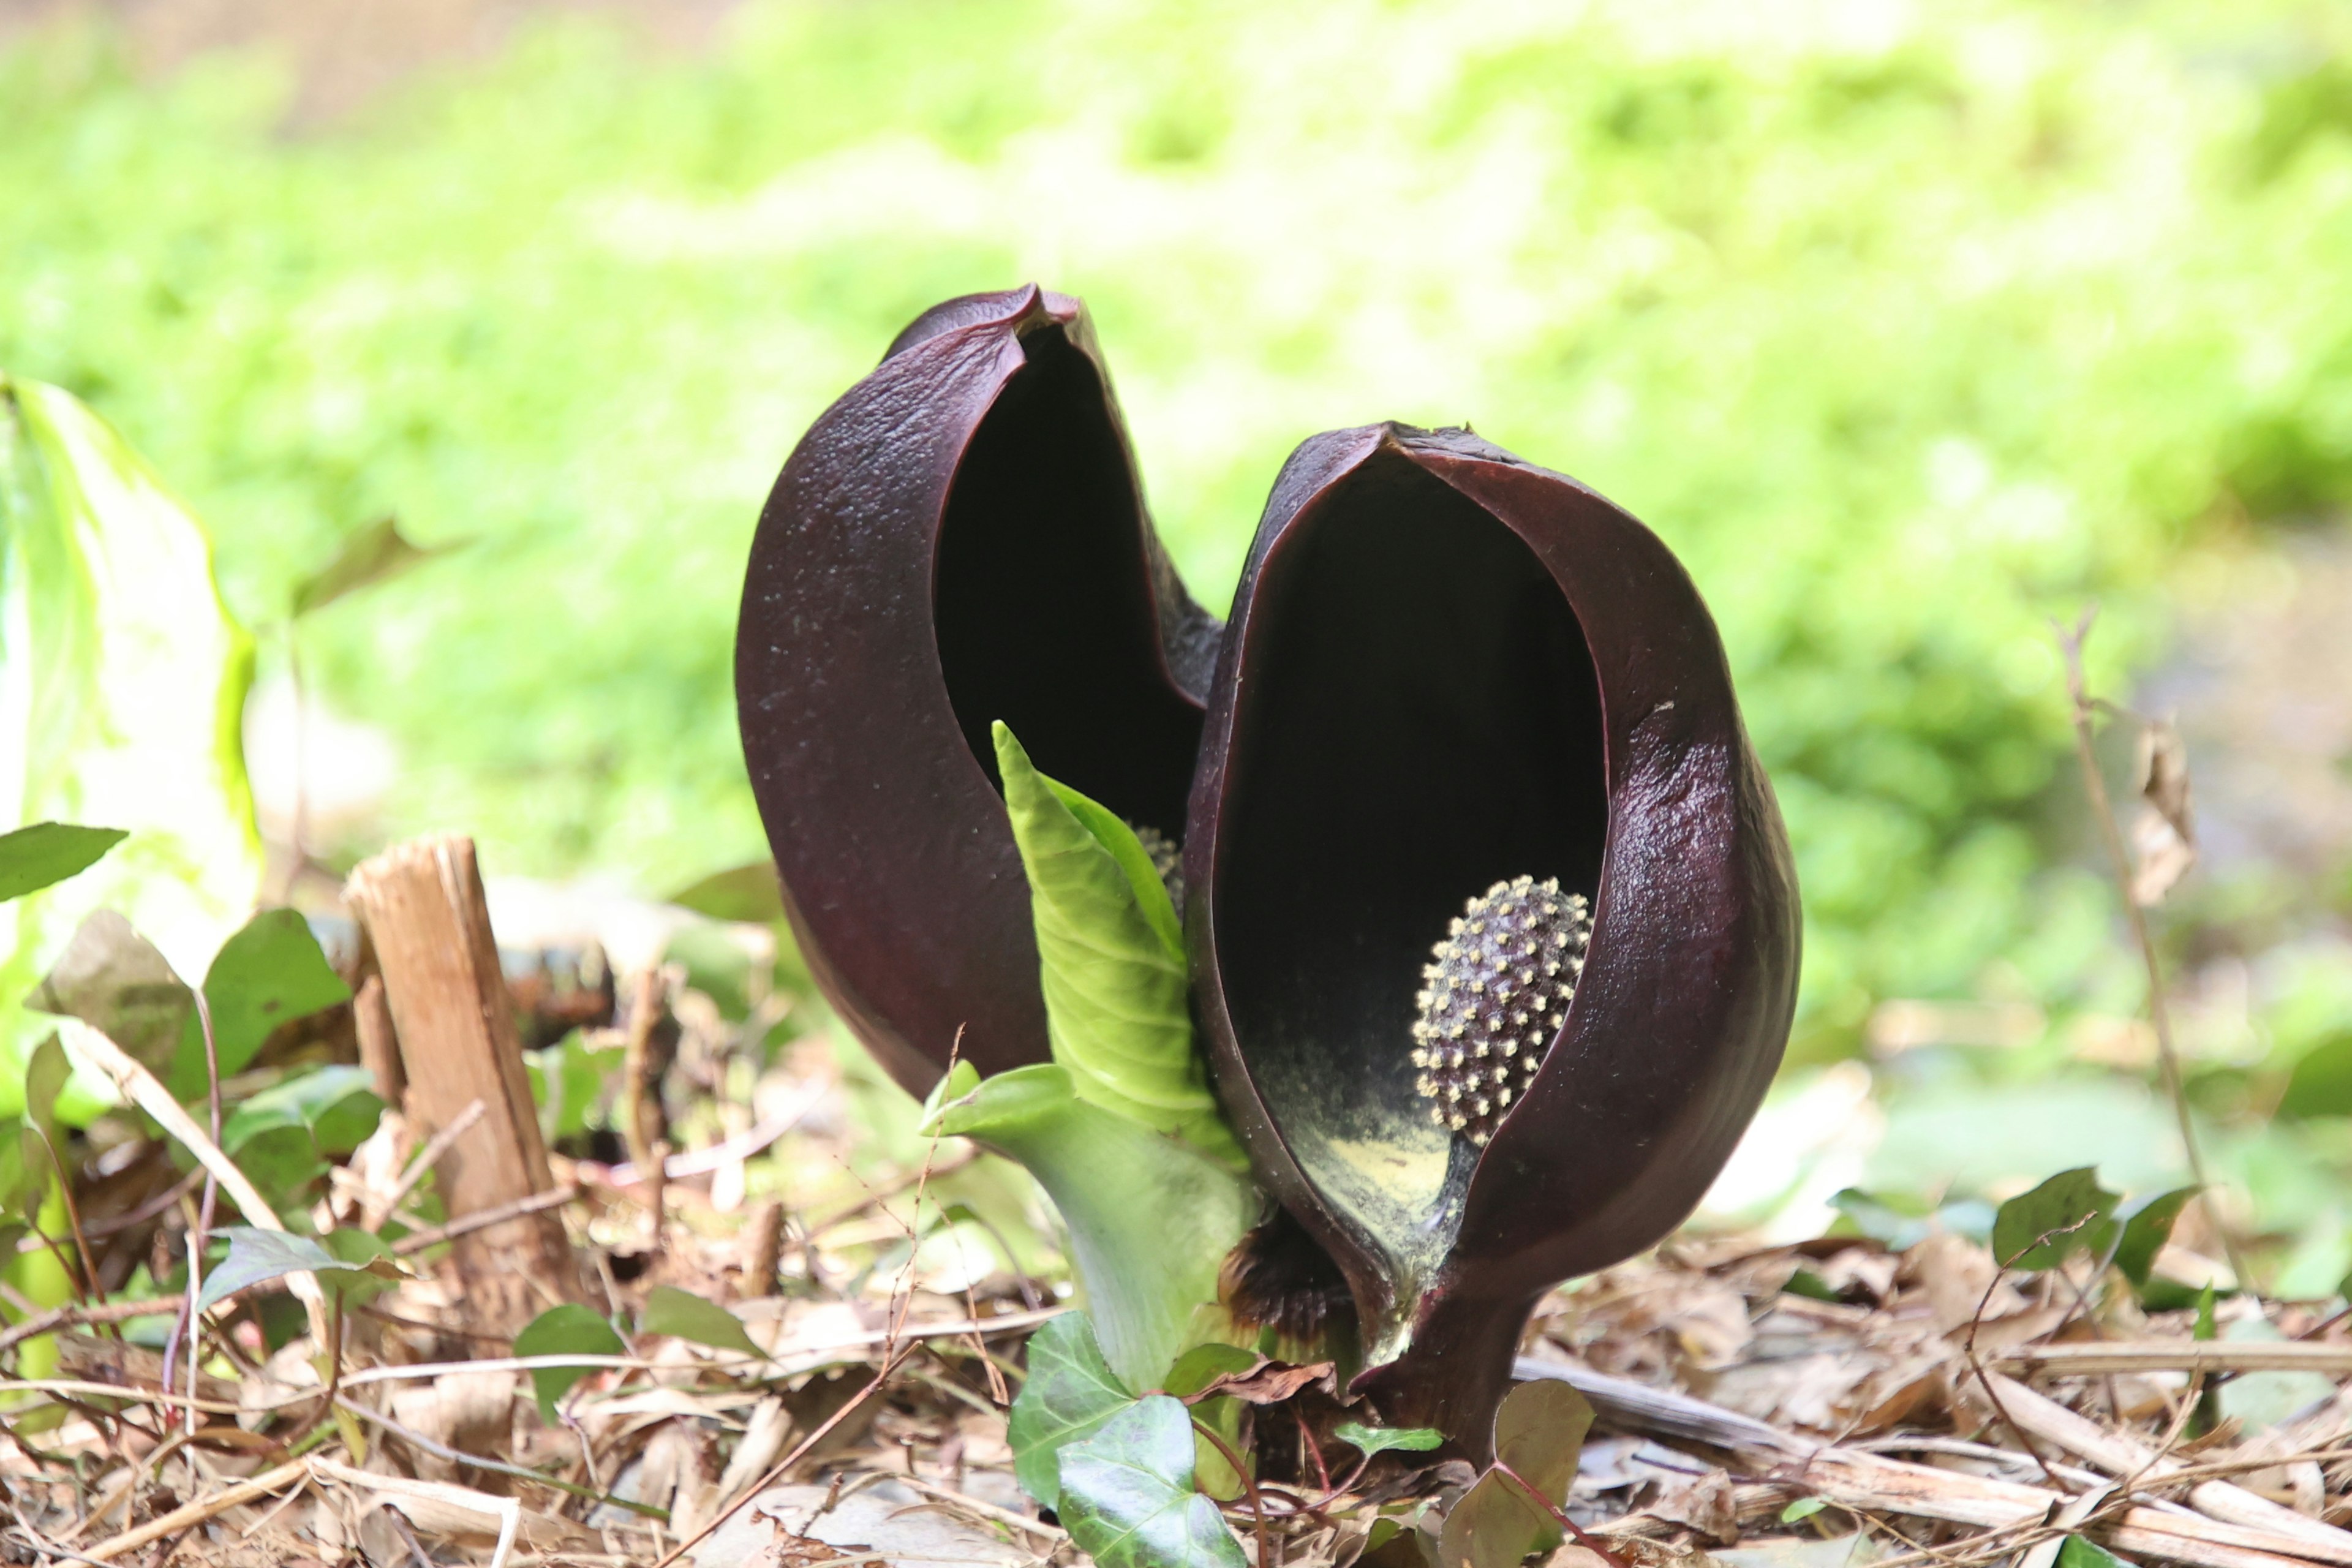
pixel 427 920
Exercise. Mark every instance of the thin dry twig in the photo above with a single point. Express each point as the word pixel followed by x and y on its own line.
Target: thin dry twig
pixel 94 1312
pixel 189 1515
pixel 2159 1014
pixel 482 1219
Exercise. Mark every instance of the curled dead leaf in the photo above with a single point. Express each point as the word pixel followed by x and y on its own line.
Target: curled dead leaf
pixel 1268 1382
pixel 2164 834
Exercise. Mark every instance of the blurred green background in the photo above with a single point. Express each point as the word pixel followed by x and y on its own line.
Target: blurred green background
pixel 1909 327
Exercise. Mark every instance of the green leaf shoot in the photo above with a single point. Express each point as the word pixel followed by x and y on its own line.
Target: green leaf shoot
pixel 1111 960
pixel 1150 1219
pixel 2069 1213
pixel 683 1315
pixel 46 853
pixel 1127 1497
pixel 569 1328
pixel 1071 1391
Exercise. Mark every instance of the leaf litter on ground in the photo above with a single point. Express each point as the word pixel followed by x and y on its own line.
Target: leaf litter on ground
pixel 905 1386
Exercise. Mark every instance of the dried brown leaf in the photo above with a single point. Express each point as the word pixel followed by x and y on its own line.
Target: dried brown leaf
pixel 1268 1382
pixel 1705 1503
pixel 2164 833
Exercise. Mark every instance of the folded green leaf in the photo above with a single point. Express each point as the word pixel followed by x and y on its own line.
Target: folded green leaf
pixel 350 1265
pixel 2065 1214
pixel 1370 1441
pixel 682 1315
pixel 1150 1218
pixel 33 858
pixel 1111 960
pixel 568 1330
pixel 1127 1497
pixel 1071 1391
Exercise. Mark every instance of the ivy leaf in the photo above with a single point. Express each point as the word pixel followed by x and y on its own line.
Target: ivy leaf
pixel 1538 1431
pixel 2065 1214
pixel 1370 1441
pixel 567 1079
pixel 2147 1228
pixel 672 1311
pixel 1150 1219
pixel 1070 1392
pixel 2321 1081
pixel 567 1330
pixel 257 1256
pixel 270 971
pixel 34 858
pixel 1111 960
pixel 1127 1498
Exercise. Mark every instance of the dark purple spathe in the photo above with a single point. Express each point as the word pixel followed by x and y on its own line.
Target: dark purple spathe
pixel 959 538
pixel 1446 666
